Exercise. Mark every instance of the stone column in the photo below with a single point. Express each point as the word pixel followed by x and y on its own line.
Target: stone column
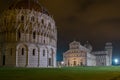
pixel 26 58
pixel 54 59
pixel 28 52
pixel 38 57
pixel 16 58
pixel 16 36
pixel 47 59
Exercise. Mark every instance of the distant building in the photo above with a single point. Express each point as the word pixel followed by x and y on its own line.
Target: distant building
pixel 28 35
pixel 79 55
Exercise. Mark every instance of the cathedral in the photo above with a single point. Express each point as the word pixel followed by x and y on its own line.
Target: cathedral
pixel 79 55
pixel 28 35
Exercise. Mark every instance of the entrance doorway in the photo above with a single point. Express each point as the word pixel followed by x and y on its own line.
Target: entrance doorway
pixel 81 63
pixel 74 63
pixel 50 64
pixel 3 60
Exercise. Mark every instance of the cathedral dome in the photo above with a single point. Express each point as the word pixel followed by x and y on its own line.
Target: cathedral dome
pixel 28 17
pixel 26 4
pixel 88 46
pixel 74 45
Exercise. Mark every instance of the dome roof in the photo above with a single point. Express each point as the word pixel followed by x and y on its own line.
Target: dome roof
pixel 88 46
pixel 26 4
pixel 74 43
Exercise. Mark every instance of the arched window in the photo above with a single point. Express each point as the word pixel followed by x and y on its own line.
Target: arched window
pixel 42 21
pixel 22 51
pixel 32 18
pixel 49 25
pixel 47 35
pixel 19 34
pixel 33 52
pixel 22 18
pixel 44 41
pixel 43 52
pixel 34 35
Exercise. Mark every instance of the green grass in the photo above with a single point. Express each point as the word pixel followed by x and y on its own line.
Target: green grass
pixel 66 73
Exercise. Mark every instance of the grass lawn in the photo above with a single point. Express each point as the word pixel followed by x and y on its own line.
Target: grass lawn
pixel 66 73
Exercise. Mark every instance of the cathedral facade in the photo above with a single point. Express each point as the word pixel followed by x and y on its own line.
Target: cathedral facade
pixel 28 36
pixel 79 55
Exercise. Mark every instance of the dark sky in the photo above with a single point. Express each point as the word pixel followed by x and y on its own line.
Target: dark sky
pixel 96 21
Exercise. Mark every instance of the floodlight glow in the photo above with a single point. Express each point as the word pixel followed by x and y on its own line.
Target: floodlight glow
pixel 116 61
pixel 62 62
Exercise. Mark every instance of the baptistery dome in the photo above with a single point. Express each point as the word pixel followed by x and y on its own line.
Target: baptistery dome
pixel 26 4
pixel 28 35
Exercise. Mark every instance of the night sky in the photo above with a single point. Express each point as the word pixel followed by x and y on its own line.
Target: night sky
pixel 96 21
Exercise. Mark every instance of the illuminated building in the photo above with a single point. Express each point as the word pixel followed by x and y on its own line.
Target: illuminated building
pixel 28 35
pixel 79 55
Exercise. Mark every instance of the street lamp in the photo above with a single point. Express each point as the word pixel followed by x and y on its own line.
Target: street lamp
pixel 62 63
pixel 116 61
